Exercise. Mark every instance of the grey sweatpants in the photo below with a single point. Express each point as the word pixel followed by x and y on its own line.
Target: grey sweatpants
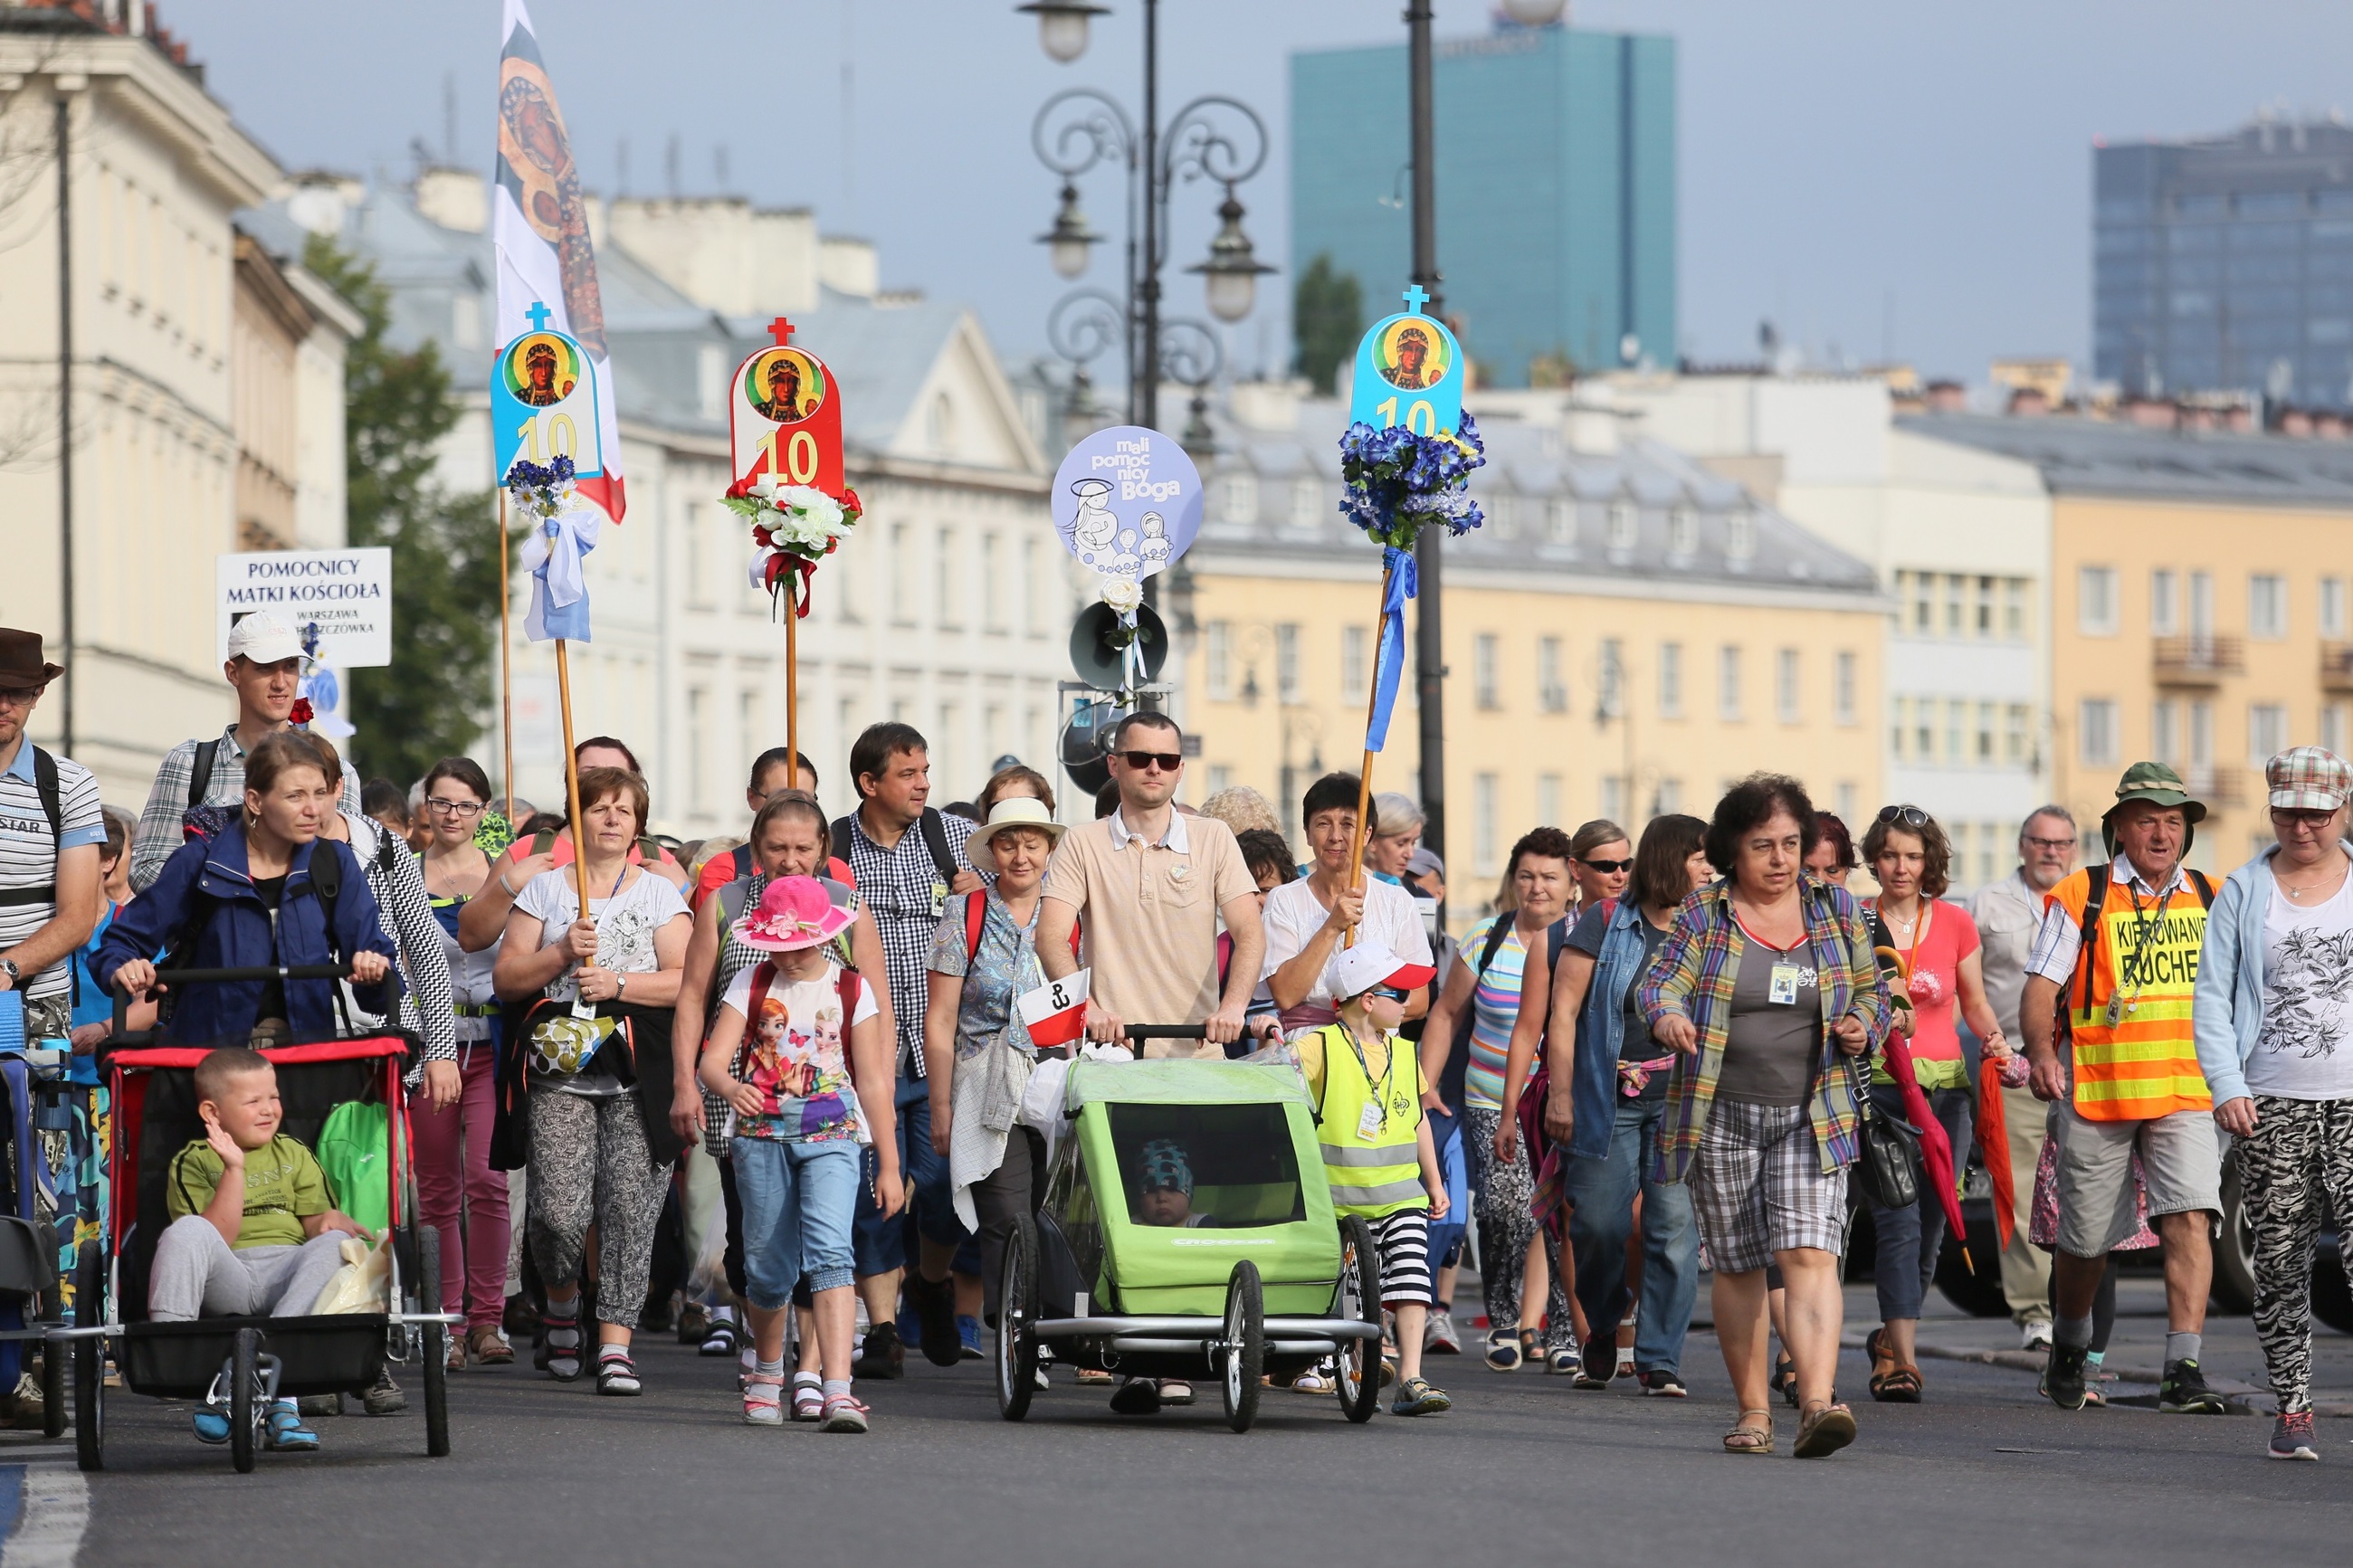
pixel 590 1160
pixel 197 1274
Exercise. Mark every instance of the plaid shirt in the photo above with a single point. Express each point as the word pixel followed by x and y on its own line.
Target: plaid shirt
pixel 159 820
pixel 907 895
pixel 1693 978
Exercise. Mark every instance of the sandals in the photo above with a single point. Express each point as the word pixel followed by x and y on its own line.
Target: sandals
pixel 763 1400
pixel 1823 1431
pixel 616 1374
pixel 808 1397
pixel 1531 1348
pixel 1900 1384
pixel 1502 1350
pixel 1785 1379
pixel 1750 1437
pixel 560 1348
pixel 483 1343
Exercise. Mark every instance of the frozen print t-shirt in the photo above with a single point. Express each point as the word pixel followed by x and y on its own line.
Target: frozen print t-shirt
pixel 795 1053
pixel 2305 1051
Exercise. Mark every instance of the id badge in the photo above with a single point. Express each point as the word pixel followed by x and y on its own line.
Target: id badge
pixel 939 899
pixel 1369 1121
pixel 1783 991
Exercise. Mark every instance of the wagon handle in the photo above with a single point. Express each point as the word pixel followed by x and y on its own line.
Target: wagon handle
pixel 121 1034
pixel 1166 1031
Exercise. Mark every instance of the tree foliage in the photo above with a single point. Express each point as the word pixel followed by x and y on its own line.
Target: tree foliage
pixel 1327 319
pixel 428 703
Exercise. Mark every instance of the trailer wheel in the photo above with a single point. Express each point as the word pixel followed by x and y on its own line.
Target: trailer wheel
pixel 1244 1349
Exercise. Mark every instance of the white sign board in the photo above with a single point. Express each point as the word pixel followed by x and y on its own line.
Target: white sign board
pixel 347 594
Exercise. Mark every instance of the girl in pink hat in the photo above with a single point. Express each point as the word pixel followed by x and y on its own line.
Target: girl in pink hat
pixel 799 1055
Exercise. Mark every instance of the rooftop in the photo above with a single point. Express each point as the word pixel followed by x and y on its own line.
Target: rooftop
pixel 2092 457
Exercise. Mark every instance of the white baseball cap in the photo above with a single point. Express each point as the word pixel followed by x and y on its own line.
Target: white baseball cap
pixel 264 639
pixel 1356 970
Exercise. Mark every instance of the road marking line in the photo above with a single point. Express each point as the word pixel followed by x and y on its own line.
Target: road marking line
pixel 50 1528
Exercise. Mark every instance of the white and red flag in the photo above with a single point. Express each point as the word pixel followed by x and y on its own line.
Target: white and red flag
pixel 539 222
pixel 1056 1013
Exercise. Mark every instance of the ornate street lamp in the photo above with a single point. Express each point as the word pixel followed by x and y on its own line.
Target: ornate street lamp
pixel 1231 272
pixel 1063 26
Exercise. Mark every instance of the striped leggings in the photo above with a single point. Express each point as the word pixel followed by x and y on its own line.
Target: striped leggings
pixel 1505 1229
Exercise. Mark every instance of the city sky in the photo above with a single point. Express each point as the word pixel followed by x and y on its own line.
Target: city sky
pixel 1875 178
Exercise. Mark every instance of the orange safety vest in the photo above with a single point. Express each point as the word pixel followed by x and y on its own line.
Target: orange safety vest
pixel 2137 1059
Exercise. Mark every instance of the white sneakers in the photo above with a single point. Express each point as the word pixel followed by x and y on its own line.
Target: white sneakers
pixel 1438 1335
pixel 2034 1335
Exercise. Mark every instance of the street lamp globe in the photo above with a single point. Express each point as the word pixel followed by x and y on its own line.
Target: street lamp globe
pixel 1231 274
pixel 1068 241
pixel 1063 26
pixel 1534 13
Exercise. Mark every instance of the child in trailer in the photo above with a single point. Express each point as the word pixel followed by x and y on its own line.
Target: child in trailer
pixel 799 1055
pixel 1377 1152
pixel 1164 1192
pixel 253 1230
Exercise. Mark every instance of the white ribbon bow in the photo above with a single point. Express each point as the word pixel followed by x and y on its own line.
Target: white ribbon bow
pixel 552 552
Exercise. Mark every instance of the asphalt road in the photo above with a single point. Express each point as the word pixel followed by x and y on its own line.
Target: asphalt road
pixel 1524 1468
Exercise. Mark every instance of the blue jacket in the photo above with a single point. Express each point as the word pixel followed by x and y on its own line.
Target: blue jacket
pixel 239 934
pixel 1601 1031
pixel 2227 1012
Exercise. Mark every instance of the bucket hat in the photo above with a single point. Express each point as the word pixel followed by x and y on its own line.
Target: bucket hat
pixel 2308 778
pixel 795 912
pixel 2153 783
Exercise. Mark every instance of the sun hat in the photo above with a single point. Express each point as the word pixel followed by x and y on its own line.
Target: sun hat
pixel 1017 811
pixel 795 912
pixel 20 659
pixel 1356 970
pixel 2152 784
pixel 2308 778
pixel 264 639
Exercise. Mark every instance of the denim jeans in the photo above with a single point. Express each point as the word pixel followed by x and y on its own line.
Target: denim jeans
pixel 1601 1196
pixel 798 1200
pixel 882 1244
pixel 1909 1239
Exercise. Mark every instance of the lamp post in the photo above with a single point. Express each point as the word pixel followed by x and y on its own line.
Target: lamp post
pixel 1213 138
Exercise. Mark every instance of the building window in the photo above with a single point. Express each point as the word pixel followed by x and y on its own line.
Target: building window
pixel 2201 735
pixel 992 582
pixel 1613 797
pixel 1670 796
pixel 1956 838
pixel 2333 728
pixel 1238 503
pixel 945 580
pixel 1898 727
pixel 1625 525
pixel 1221 779
pixel 1560 519
pixel 1286 661
pixel 1847 797
pixel 903 552
pixel 2096 731
pixel 1842 672
pixel 2266 732
pixel 1485 659
pixel 2165 732
pixel 1353 677
pixel 1671 680
pixel 1613 678
pixel 1306 502
pixel 1740 537
pixel 1956 724
pixel 1023 591
pixel 1986 718
pixel 2095 600
pixel 1547 800
pixel 1486 817
pixel 1924 601
pixel 2164 602
pixel 2013 608
pixel 1218 653
pixel 1727 684
pixel 2267 607
pixel 1983 608
pixel 698 751
pixel 1502 513
pixel 2332 609
pixel 1956 589
pixel 1552 691
pixel 1683 531
pixel 1924 729
pixel 1785 685
pixel 2013 738
pixel 2202 606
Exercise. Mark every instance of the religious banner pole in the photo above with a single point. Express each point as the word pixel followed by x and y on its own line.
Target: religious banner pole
pixel 1404 465
pixel 506 662
pixel 784 426
pixel 572 779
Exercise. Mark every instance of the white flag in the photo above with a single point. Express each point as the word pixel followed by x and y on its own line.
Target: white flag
pixel 1056 1013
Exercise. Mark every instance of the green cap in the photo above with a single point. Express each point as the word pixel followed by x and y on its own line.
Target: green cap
pixel 2159 785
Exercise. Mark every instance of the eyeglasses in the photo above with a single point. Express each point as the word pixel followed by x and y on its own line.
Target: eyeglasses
pixel 1607 867
pixel 20 696
pixel 2310 821
pixel 454 808
pixel 2054 845
pixel 1909 816
pixel 1393 993
pixel 1167 762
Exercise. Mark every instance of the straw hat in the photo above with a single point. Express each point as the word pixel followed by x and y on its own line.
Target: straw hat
pixel 1017 811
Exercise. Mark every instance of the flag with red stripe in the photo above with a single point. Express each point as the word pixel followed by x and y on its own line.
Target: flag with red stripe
pixel 1056 1013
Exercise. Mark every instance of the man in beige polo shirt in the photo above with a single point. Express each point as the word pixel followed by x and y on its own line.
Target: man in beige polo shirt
pixel 1146 885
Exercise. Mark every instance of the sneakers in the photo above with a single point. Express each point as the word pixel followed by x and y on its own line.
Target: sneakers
pixel 2062 1377
pixel 843 1413
pixel 1137 1396
pixel 287 1433
pixel 1662 1384
pixel 883 1355
pixel 1439 1337
pixel 1416 1397
pixel 933 1301
pixel 808 1397
pixel 2034 1334
pixel 968 1337
pixel 2292 1436
pixel 2184 1391
pixel 385 1398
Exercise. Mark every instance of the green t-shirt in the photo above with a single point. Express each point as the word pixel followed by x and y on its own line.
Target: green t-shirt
pixel 283 1186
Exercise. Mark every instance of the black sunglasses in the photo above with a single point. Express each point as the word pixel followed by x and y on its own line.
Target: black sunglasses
pixel 1391 991
pixel 1909 816
pixel 1607 867
pixel 1169 762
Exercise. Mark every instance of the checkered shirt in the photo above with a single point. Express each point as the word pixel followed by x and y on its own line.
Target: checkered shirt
pixel 897 885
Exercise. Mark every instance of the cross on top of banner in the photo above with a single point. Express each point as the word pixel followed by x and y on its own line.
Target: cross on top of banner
pixel 538 313
pixel 1414 297
pixel 782 331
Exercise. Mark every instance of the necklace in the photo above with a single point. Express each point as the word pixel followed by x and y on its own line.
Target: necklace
pixel 2327 884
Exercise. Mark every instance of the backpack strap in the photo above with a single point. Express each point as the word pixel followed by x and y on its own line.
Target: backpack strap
pixel 384 849
pixel 741 857
pixel 45 782
pixel 976 922
pixel 849 985
pixel 200 773
pixel 1497 934
pixel 841 836
pixel 327 883
pixel 2095 896
pixel 2205 889
pixel 936 839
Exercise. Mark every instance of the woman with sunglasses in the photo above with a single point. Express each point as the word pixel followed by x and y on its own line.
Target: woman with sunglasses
pixel 1942 973
pixel 1602 859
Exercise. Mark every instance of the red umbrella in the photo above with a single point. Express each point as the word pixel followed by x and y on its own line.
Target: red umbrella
pixel 1935 1148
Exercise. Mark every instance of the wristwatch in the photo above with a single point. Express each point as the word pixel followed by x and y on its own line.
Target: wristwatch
pixel 620 984
pixel 16 976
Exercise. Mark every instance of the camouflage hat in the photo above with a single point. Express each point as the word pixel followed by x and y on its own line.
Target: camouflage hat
pixel 2158 786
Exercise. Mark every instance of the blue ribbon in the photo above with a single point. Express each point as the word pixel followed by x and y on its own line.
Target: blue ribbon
pixel 1388 669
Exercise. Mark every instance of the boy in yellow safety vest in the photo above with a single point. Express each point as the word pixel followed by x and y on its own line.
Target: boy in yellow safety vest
pixel 1377 1152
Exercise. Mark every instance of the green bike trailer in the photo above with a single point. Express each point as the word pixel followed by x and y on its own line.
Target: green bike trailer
pixel 1251 1273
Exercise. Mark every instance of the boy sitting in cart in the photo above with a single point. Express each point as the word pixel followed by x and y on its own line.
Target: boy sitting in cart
pixel 253 1232
pixel 1165 1185
pixel 1378 1152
